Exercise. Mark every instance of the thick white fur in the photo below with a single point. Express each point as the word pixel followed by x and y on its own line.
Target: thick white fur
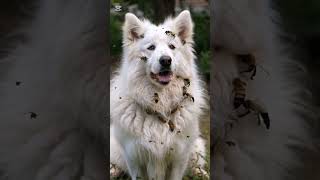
pixel 242 27
pixel 132 90
pixel 62 68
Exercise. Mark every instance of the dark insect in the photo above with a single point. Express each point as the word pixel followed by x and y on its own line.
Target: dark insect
pixel 120 97
pixel 230 143
pixel 161 142
pixel 184 90
pixel 187 95
pixel 171 46
pixel 186 82
pixel 265 118
pixel 250 60
pixel 156 97
pixel 162 119
pixel 33 115
pixel 188 136
pixel 174 110
pixel 18 83
pixel 151 47
pixel 143 58
pixel 178 131
pixel 148 111
pixel 170 33
pixel 171 126
pixel 259 110
pixel 239 89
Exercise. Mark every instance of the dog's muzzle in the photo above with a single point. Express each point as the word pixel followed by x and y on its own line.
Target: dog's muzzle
pixel 165 74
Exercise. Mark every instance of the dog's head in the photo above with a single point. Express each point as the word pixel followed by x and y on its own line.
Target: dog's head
pixel 161 52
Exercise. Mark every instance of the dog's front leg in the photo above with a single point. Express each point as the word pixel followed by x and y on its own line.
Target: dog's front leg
pixel 156 170
pixel 179 165
pixel 134 168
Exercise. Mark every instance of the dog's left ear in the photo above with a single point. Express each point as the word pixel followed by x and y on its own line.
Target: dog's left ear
pixel 133 27
pixel 184 26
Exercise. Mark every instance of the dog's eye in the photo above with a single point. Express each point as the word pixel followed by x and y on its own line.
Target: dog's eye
pixel 152 47
pixel 171 46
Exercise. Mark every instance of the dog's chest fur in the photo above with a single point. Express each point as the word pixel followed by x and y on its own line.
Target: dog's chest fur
pixel 137 113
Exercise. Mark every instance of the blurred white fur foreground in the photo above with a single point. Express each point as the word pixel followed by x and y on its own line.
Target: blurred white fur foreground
pixel 156 101
pixel 53 95
pixel 243 149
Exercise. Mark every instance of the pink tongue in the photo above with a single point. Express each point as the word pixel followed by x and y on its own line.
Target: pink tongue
pixel 164 78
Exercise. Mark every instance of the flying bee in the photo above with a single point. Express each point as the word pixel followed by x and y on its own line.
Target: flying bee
pixel 239 89
pixel 250 61
pixel 259 110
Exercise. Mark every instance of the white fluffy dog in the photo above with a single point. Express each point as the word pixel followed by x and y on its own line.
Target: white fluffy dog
pixel 156 99
pixel 246 40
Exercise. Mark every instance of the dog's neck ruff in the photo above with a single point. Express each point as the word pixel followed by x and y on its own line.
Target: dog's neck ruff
pixel 186 97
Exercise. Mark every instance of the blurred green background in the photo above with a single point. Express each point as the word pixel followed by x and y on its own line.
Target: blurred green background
pixel 146 9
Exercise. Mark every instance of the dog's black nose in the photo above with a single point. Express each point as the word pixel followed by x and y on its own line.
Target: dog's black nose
pixel 165 61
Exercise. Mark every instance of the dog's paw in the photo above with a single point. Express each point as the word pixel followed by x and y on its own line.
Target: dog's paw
pixel 115 171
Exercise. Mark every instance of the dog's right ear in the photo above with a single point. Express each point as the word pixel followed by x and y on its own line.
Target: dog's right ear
pixel 133 27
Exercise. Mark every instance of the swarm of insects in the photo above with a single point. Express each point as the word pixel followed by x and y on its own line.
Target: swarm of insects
pixel 164 119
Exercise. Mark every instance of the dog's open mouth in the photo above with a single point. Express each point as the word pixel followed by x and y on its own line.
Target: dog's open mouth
pixel 163 77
